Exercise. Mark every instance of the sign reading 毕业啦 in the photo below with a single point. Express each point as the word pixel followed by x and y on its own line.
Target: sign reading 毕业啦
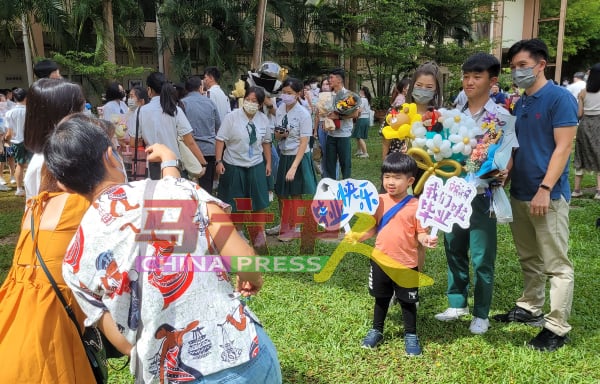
pixel 443 205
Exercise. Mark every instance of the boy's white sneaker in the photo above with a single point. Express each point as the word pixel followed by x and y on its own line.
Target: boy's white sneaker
pixel 273 231
pixel 479 326
pixel 451 314
pixel 20 192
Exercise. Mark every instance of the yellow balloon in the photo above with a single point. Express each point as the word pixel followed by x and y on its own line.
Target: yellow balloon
pixel 425 163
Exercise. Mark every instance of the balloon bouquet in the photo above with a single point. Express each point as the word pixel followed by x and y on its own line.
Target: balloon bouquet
pixel 446 142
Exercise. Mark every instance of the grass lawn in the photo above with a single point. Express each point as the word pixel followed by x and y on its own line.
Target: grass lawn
pixel 317 327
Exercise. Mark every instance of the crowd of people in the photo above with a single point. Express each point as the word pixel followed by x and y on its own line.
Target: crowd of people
pixel 87 181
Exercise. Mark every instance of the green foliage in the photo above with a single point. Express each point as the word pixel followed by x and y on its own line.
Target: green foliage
pixel 582 27
pixel 200 33
pixel 86 64
pixel 96 73
pixel 389 48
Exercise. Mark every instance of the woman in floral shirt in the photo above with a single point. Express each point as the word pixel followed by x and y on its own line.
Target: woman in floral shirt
pixel 138 268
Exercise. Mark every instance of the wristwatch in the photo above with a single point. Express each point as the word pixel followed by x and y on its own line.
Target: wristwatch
pixel 544 186
pixel 218 162
pixel 170 163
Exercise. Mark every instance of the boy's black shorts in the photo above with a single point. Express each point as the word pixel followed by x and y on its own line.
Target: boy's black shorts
pixel 381 285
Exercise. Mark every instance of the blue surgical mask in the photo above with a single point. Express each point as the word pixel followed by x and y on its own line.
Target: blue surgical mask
pixel 523 77
pixel 422 95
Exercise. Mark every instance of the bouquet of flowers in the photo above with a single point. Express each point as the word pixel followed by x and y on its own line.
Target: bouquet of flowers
pixel 346 103
pixel 324 108
pixel 120 122
pixel 481 161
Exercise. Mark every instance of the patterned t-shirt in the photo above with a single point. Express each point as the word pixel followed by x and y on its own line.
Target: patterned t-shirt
pixel 185 322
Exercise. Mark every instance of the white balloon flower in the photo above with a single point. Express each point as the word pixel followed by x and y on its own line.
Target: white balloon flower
pixel 439 148
pixel 464 141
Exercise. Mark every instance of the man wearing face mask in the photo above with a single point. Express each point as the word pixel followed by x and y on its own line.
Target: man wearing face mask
pixel 478 242
pixel 540 194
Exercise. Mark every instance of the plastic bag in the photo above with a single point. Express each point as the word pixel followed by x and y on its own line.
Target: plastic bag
pixel 501 206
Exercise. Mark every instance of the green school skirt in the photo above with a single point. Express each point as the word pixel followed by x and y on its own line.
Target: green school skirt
pixel 240 182
pixel 305 180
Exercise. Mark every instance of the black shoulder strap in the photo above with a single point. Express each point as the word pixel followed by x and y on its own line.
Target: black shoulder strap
pixel 135 148
pixel 61 298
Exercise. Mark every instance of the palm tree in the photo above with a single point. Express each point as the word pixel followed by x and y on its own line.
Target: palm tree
pixel 19 14
pixel 209 32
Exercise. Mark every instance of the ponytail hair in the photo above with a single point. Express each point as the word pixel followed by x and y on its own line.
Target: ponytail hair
pixel 159 84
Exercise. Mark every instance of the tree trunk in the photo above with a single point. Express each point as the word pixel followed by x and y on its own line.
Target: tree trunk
pixel 27 48
pixel 259 33
pixel 109 44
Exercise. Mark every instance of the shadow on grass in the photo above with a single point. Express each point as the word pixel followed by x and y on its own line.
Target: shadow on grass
pixel 294 376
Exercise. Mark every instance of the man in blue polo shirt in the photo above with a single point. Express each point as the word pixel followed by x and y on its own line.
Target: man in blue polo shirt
pixel 546 125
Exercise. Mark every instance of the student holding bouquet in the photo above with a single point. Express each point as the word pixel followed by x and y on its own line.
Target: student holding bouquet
pixel 480 72
pixel 337 146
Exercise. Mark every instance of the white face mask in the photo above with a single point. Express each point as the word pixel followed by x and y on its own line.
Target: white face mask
pixel 313 85
pixel 250 107
pixel 132 103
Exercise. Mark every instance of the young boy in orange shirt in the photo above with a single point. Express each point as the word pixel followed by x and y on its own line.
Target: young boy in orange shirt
pixel 398 236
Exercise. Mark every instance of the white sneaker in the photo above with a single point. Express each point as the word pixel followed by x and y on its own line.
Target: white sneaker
pixel 358 153
pixel 274 231
pixel 2 181
pixel 479 326
pixel 12 180
pixel 4 187
pixel 20 192
pixel 452 314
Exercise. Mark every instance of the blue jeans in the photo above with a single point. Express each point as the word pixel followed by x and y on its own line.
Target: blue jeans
pixel 263 369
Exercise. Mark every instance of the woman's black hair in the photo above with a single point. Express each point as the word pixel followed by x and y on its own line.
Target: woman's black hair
pixel 113 92
pixel 593 81
pixel 427 69
pixel 75 153
pixel 258 92
pixel 141 93
pixel 19 94
pixel 367 93
pixel 398 162
pixel 405 82
pixel 48 101
pixel 293 83
pixel 159 84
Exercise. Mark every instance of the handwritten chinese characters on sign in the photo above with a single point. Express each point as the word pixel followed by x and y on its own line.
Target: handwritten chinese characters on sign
pixel 354 195
pixel 441 206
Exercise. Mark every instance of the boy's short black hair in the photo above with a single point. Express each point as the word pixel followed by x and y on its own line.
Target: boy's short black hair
pixel 537 49
pixel 213 72
pixel 339 72
pixel 399 163
pixel 482 62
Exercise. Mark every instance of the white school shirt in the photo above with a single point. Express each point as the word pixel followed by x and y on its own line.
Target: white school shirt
pixel 221 100
pixel 15 119
pixel 158 127
pixel 299 124
pixel 234 132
